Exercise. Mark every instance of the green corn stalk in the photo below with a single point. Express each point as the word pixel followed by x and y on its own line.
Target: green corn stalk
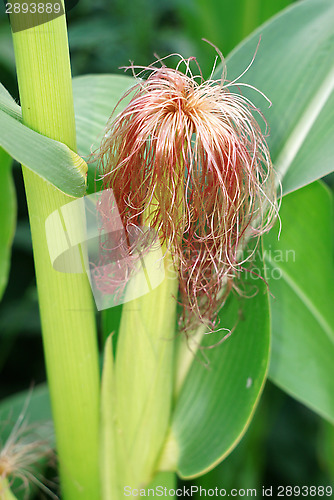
pixel 67 314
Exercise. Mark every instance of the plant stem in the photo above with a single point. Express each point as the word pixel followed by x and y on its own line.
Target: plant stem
pixel 67 314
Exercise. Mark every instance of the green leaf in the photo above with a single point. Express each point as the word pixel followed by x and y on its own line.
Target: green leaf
pixel 8 217
pixel 50 159
pixel 7 58
pixel 95 97
pixel 244 467
pixel 223 22
pixel 301 276
pixel 33 405
pixel 110 322
pixel 8 105
pixel 294 68
pixel 216 403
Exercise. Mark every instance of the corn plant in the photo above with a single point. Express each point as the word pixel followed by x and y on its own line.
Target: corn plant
pixel 190 180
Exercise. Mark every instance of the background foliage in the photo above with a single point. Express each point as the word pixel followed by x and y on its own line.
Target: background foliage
pixel 286 443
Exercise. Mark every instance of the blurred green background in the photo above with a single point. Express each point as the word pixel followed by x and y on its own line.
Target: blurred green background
pixel 286 444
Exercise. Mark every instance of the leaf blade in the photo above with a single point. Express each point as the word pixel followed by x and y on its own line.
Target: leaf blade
pixel 294 68
pixel 302 310
pixel 50 159
pixel 215 406
pixel 95 97
pixel 8 217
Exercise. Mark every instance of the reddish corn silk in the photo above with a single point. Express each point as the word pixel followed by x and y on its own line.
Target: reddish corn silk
pixel 192 153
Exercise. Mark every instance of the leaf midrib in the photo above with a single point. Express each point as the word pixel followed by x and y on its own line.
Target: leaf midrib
pixel 303 126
